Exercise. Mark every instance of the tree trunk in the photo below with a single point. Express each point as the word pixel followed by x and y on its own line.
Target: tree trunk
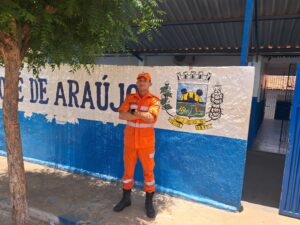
pixel 17 183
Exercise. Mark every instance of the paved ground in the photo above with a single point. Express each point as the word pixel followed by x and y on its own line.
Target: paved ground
pixel 263 178
pixel 6 219
pixel 91 199
pixel 268 136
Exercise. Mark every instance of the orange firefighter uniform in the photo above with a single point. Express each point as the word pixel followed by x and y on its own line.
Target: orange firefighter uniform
pixel 139 140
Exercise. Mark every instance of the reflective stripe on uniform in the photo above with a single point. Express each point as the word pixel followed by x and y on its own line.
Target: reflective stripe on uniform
pixel 133 106
pixel 127 181
pixel 144 108
pixel 151 155
pixel 140 125
pixel 149 183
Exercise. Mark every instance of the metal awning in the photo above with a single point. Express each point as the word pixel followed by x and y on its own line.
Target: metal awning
pixel 216 26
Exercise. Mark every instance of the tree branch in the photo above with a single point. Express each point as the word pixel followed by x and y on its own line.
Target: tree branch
pixel 25 38
pixel 1 49
pixel 50 9
pixel 14 26
pixel 5 37
pixel 5 43
pixel 8 44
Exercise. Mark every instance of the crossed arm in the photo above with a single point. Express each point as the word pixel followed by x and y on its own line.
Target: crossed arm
pixel 147 116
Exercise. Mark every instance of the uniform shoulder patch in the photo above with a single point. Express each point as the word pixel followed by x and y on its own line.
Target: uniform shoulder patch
pixel 152 95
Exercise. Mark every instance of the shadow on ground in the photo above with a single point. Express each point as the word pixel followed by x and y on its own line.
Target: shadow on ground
pixel 263 178
pixel 82 197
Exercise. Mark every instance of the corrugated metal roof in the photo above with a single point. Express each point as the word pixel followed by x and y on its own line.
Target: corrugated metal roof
pixel 217 26
pixel 279 33
pixel 189 10
pixel 278 7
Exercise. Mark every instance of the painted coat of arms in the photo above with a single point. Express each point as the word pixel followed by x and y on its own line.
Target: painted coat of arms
pixel 191 100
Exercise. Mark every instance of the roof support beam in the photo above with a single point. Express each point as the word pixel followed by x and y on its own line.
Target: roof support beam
pixel 227 52
pixel 137 55
pixel 230 20
pixel 246 33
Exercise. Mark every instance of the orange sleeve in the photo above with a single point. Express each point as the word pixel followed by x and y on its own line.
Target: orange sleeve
pixel 125 106
pixel 154 107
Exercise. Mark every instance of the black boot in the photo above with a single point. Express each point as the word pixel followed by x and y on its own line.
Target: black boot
pixel 149 205
pixel 125 201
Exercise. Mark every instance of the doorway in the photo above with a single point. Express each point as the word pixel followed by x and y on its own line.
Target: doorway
pixel 278 95
pixel 266 158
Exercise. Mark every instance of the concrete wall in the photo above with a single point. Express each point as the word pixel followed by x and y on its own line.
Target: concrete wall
pixel 70 121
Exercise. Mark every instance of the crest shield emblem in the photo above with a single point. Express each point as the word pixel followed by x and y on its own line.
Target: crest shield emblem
pixel 191 99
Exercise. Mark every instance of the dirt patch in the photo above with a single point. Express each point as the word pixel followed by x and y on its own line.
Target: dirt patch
pixel 91 199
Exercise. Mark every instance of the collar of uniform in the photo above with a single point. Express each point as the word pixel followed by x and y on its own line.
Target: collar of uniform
pixel 146 96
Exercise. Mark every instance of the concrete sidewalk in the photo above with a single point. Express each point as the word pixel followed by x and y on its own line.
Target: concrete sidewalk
pixel 90 199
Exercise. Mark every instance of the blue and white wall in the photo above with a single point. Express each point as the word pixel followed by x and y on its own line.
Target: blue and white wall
pixel 71 121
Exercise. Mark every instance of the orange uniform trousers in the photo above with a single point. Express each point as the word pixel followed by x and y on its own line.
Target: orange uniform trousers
pixel 146 157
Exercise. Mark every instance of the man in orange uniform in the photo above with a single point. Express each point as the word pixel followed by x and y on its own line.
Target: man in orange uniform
pixel 140 110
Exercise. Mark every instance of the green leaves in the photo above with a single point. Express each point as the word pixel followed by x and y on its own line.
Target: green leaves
pixel 166 93
pixel 75 32
pixel 167 107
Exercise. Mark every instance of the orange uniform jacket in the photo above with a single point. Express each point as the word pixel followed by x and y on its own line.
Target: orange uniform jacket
pixel 140 133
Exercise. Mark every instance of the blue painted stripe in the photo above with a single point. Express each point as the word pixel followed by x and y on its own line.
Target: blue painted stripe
pixel 204 168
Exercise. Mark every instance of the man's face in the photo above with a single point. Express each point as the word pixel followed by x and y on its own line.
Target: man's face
pixel 143 84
